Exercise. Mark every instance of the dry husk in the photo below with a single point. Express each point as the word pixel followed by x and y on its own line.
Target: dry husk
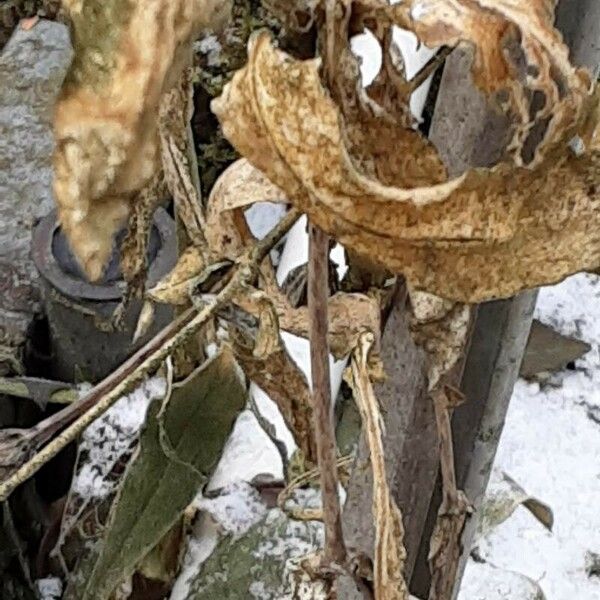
pixel 127 55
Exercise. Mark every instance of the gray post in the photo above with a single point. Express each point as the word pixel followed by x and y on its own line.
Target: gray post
pixel 501 328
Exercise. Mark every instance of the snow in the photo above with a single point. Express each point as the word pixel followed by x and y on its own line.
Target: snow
pixel 49 588
pixel 236 509
pixel 108 438
pixel 200 545
pixel 211 48
pixel 249 452
pixel 551 446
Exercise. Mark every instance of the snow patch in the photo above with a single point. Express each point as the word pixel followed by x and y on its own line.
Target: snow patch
pixel 551 446
pixel 49 588
pixel 236 509
pixel 109 437
pixel 211 48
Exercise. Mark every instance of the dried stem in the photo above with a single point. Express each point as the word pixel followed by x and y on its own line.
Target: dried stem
pixel 445 549
pixel 428 69
pixel 129 375
pixel 389 552
pixel 335 549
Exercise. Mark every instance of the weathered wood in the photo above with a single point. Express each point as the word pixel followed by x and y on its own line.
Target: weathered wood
pixel 500 334
pixel 410 445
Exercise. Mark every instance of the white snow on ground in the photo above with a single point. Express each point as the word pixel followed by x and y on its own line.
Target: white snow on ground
pixel 551 446
pixel 248 453
pixel 109 437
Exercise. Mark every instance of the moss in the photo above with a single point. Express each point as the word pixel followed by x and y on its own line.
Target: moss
pixel 215 70
pixel 11 11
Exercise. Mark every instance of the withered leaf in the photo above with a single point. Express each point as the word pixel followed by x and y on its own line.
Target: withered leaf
pixel 390 554
pixel 517 50
pixel 442 331
pixel 239 186
pixel 282 380
pixel 349 316
pixel 487 234
pixel 175 288
pixel 127 55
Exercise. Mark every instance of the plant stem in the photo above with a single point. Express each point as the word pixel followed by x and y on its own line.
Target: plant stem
pixel 130 374
pixel 318 291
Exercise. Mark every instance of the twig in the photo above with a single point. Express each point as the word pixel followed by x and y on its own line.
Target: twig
pixel 430 67
pixel 335 549
pixel 129 375
pixel 301 513
pixel 445 548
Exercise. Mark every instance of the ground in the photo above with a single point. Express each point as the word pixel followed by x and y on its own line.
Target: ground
pixel 551 446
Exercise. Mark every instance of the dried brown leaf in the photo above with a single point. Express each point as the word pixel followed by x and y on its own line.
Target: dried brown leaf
pixel 127 55
pixel 241 185
pixel 175 287
pixel 488 234
pixel 349 316
pixel 177 167
pixel 271 367
pixel 390 554
pixel 517 50
pixel 442 331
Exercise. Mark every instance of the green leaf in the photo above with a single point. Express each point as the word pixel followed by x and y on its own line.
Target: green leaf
pixel 253 565
pixel 179 449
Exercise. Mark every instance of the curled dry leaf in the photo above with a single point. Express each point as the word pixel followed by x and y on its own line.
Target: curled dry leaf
pixel 284 382
pixel 349 316
pixel 175 288
pixel 174 116
pixel 265 360
pixel 442 330
pixel 503 496
pixel 517 50
pixel 127 55
pixel 390 554
pixel 239 186
pixel 487 234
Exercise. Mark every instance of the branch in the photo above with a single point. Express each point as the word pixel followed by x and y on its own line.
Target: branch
pixel 335 549
pixel 130 374
pixel 429 68
pixel 445 547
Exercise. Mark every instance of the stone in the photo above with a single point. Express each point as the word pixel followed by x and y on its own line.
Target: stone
pixel 33 65
pixel 548 351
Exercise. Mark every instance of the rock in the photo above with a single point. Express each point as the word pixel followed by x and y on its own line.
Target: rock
pixel 33 65
pixel 548 351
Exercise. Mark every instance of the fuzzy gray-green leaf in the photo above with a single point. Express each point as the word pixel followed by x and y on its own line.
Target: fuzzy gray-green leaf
pixel 192 427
